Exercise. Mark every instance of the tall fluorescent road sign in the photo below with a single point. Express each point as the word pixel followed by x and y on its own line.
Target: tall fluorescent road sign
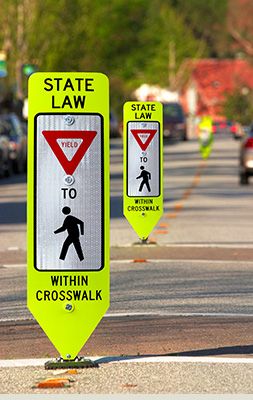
pixel 68 205
pixel 143 163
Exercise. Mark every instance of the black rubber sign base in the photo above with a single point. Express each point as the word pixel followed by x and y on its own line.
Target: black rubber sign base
pixel 78 362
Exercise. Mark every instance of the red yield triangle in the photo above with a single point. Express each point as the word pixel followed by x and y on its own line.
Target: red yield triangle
pixel 69 166
pixel 148 135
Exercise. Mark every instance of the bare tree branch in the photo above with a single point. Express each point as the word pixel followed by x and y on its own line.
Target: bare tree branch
pixel 244 43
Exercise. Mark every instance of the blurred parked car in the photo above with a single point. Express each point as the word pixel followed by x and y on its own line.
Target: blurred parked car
pixel 114 125
pixel 17 141
pixel 246 158
pixel 174 122
pixel 5 161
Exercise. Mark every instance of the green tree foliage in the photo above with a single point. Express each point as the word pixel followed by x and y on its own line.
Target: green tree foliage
pixel 113 43
pixel 239 107
pixel 163 26
pixel 207 21
pixel 126 39
pixel 58 38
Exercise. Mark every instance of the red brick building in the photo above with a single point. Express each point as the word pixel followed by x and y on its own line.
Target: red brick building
pixel 209 80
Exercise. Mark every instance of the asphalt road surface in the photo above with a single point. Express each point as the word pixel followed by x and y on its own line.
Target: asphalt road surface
pixel 187 293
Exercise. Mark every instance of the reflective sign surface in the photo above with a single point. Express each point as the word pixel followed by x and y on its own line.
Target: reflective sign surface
pixel 68 215
pixel 143 159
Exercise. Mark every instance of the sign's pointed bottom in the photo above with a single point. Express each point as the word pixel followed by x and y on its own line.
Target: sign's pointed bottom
pixel 78 362
pixel 141 225
pixel 69 331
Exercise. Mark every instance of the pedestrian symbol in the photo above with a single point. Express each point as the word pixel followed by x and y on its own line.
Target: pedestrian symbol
pixel 146 176
pixel 70 225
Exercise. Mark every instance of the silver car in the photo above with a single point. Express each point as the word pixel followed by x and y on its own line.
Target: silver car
pixel 17 141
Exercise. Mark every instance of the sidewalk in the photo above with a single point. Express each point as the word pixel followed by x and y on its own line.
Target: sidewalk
pixel 136 376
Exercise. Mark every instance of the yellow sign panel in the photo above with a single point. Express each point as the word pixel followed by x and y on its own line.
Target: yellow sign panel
pixel 143 161
pixel 68 205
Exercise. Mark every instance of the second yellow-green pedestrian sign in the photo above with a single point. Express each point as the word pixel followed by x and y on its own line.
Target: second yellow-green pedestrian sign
pixel 143 185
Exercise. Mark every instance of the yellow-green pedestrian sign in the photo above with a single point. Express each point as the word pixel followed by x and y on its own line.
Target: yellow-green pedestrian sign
pixel 68 205
pixel 205 136
pixel 143 162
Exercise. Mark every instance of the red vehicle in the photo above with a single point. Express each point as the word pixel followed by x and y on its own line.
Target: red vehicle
pixel 228 128
pixel 246 158
pixel 236 130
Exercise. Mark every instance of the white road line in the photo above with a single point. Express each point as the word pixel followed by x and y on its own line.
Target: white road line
pixel 178 359
pixel 171 314
pixel 151 260
pixel 14 266
pixel 183 260
pixel 29 362
pixel 211 245
pixel 195 245
pixel 148 314
pixel 39 362
pixel 17 319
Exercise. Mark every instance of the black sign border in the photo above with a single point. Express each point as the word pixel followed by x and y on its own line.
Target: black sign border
pixel 35 195
pixel 127 161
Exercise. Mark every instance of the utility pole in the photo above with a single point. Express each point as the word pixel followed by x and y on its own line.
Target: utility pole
pixel 172 65
pixel 20 49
